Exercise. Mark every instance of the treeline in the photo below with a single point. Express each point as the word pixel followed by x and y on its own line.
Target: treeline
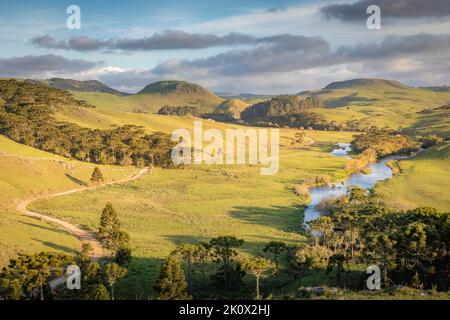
pixel 26 116
pixel 278 106
pixel 383 143
pixel 179 111
pixel 295 112
pixel 410 247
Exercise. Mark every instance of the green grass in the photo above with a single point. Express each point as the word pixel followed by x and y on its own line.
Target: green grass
pixel 26 172
pixel 173 206
pixel 423 181
pixel 381 104
pixel 148 102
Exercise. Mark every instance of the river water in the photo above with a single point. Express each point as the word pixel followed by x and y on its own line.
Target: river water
pixel 380 171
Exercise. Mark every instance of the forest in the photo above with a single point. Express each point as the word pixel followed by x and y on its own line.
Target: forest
pixel 26 116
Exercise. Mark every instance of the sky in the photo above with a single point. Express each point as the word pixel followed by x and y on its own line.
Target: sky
pixel 247 46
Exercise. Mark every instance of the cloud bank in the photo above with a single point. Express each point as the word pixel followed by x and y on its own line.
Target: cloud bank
pixel 396 9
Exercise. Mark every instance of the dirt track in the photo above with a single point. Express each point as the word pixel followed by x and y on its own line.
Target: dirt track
pixel 83 235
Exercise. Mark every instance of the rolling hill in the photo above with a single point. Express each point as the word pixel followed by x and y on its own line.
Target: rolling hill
pixel 231 109
pixel 376 102
pixel 154 96
pixel 76 85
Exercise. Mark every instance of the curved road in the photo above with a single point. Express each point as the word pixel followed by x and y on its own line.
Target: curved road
pixel 83 235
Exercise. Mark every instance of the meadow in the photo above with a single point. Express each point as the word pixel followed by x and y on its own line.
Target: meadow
pixel 187 205
pixel 173 206
pixel 27 172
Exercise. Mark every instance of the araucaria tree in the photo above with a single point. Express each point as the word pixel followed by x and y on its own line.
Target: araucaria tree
pixel 97 176
pixel 276 248
pixel 110 233
pixel 224 252
pixel 113 273
pixel 257 267
pixel 171 284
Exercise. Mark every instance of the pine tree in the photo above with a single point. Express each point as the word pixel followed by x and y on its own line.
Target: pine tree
pixel 171 284
pixel 114 273
pixel 123 256
pixel 101 293
pixel 97 176
pixel 109 230
pixel 224 252
pixel 257 267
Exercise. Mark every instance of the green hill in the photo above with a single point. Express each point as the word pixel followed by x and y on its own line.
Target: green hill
pixel 422 181
pixel 376 102
pixel 231 109
pixel 76 85
pixel 154 96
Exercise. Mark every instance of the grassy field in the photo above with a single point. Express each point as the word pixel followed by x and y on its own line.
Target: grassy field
pixel 423 181
pixel 27 172
pixel 148 102
pixel 172 206
pixel 382 103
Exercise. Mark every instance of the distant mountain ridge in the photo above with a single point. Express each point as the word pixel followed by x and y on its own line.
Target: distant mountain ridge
pixel 174 86
pixel 363 82
pixel 78 85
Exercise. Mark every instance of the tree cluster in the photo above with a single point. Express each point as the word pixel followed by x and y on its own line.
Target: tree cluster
pixel 26 116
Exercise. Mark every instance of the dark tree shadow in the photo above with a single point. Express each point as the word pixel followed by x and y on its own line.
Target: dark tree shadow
pixel 284 218
pixel 52 229
pixel 55 246
pixel 76 180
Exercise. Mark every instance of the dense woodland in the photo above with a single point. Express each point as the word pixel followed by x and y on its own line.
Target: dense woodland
pixel 383 143
pixel 179 111
pixel 294 112
pixel 26 116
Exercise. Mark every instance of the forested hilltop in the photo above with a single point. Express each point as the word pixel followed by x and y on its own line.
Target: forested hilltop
pixel 26 116
pixel 293 112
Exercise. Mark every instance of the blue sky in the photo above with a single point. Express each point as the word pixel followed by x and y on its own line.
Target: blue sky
pixel 247 46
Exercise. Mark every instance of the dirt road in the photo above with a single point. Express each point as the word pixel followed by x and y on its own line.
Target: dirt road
pixel 83 235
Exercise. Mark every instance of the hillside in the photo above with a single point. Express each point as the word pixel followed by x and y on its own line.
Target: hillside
pixel 375 102
pixel 27 172
pixel 154 96
pixel 421 182
pixel 76 85
pixel 231 109
pixel 370 83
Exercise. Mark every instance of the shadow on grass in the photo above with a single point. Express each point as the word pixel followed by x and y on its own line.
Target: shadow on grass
pixel 76 180
pixel 284 218
pixel 55 246
pixel 52 229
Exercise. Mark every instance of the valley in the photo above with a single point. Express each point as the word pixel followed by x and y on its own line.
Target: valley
pixel 173 206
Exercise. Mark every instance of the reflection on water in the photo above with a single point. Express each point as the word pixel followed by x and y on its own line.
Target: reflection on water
pixel 380 171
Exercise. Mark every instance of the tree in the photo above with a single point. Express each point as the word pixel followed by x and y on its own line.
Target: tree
pixel 323 226
pixel 276 248
pixel 357 194
pixel 337 261
pixel 171 283
pixel 223 251
pixel 123 256
pixel 101 293
pixel 113 273
pixel 257 267
pixel 110 234
pixel 310 257
pixel 97 176
pixel 189 254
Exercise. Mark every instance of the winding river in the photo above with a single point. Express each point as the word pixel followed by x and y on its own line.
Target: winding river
pixel 380 171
